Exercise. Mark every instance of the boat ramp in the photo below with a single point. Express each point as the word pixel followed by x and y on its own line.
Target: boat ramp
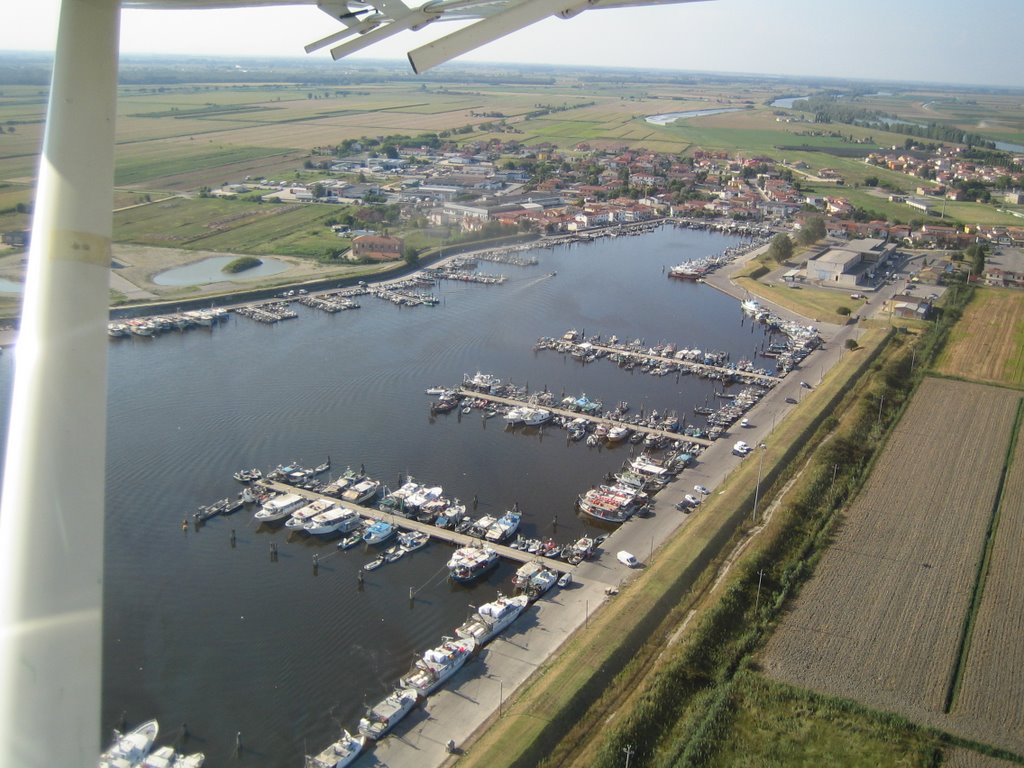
pixel 442 534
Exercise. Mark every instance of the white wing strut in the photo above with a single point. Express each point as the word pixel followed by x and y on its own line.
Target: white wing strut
pixel 51 515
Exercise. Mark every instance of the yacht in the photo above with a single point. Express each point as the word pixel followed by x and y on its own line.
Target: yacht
pixel 491 618
pixel 280 507
pixel 333 520
pixel 302 516
pixel 386 714
pixel 438 664
pixel 534 417
pixel 339 754
pixel 166 757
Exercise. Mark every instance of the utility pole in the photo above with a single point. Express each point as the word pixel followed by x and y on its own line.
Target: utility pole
pixel 757 599
pixel 628 751
pixel 757 488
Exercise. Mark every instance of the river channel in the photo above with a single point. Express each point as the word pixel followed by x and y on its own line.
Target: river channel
pixel 209 632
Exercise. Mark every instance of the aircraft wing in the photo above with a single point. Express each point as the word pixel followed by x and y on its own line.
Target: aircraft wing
pixel 366 22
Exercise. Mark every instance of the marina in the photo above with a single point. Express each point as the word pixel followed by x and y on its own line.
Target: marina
pixel 204 405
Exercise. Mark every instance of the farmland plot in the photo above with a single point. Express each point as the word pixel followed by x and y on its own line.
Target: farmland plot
pixel 989 704
pixel 986 343
pixel 881 619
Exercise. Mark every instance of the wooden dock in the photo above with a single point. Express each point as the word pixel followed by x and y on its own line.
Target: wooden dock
pixel 760 377
pixel 442 534
pixel 472 393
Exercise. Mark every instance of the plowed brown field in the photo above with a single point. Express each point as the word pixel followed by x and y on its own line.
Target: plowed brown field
pixel 988 341
pixel 992 689
pixel 880 621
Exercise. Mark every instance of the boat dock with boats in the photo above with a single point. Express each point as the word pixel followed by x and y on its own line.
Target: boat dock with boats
pixel 601 420
pixel 442 534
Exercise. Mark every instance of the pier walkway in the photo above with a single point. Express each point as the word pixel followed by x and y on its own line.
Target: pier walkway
pixel 443 534
pixel 759 377
pixel 472 393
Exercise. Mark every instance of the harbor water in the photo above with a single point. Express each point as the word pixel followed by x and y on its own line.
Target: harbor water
pixel 202 627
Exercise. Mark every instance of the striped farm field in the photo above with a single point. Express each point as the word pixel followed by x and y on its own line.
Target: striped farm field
pixel 882 619
pixel 987 343
pixel 988 703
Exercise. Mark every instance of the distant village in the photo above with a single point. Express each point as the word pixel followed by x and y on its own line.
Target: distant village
pixel 506 187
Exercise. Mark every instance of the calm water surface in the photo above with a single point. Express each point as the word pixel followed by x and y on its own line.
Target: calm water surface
pixel 217 636
pixel 211 270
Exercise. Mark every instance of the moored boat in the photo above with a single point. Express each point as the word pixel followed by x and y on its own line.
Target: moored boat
pixel 248 475
pixel 280 508
pixel 438 664
pixel 491 618
pixel 504 527
pixel 386 714
pixel 379 532
pixel 361 492
pixel 304 514
pixel 339 754
pixel 470 563
pixel 333 520
pixel 130 749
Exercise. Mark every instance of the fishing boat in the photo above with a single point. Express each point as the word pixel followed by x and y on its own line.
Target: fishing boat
pixel 130 749
pixel 339 754
pixel 437 665
pixel 361 492
pixel 504 527
pixel 386 714
pixel 379 532
pixel 350 541
pixel 319 469
pixel 617 434
pixel 451 516
pixel 203 514
pixel 491 618
pixel 534 579
pixel 376 563
pixel 534 417
pixel 393 553
pixel 280 508
pixel 470 563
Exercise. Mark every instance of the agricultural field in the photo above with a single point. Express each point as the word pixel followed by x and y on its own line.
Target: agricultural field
pixel 987 343
pixel 881 621
pixel 988 702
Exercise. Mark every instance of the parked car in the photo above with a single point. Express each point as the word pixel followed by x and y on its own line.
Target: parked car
pixel 701 490
pixel 692 500
pixel 791 400
pixel 627 559
pixel 805 385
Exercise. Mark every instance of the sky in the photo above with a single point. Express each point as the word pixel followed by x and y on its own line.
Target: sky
pixel 938 41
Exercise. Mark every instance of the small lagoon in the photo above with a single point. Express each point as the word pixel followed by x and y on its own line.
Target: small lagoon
pixel 211 270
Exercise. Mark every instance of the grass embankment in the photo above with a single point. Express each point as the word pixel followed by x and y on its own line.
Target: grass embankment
pixel 556 714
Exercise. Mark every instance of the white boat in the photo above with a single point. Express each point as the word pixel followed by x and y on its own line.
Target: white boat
pixel 333 520
pixel 385 715
pixel 534 579
pixel 410 541
pixel 617 434
pixel 516 415
pixel 491 618
pixel 534 417
pixel 130 749
pixel 470 563
pixel 280 507
pixel 751 306
pixel 379 532
pixel 503 528
pixel 421 497
pixel 166 757
pixel 339 754
pixel 248 475
pixel 437 665
pixel 303 515
pixel 452 516
pixel 361 492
